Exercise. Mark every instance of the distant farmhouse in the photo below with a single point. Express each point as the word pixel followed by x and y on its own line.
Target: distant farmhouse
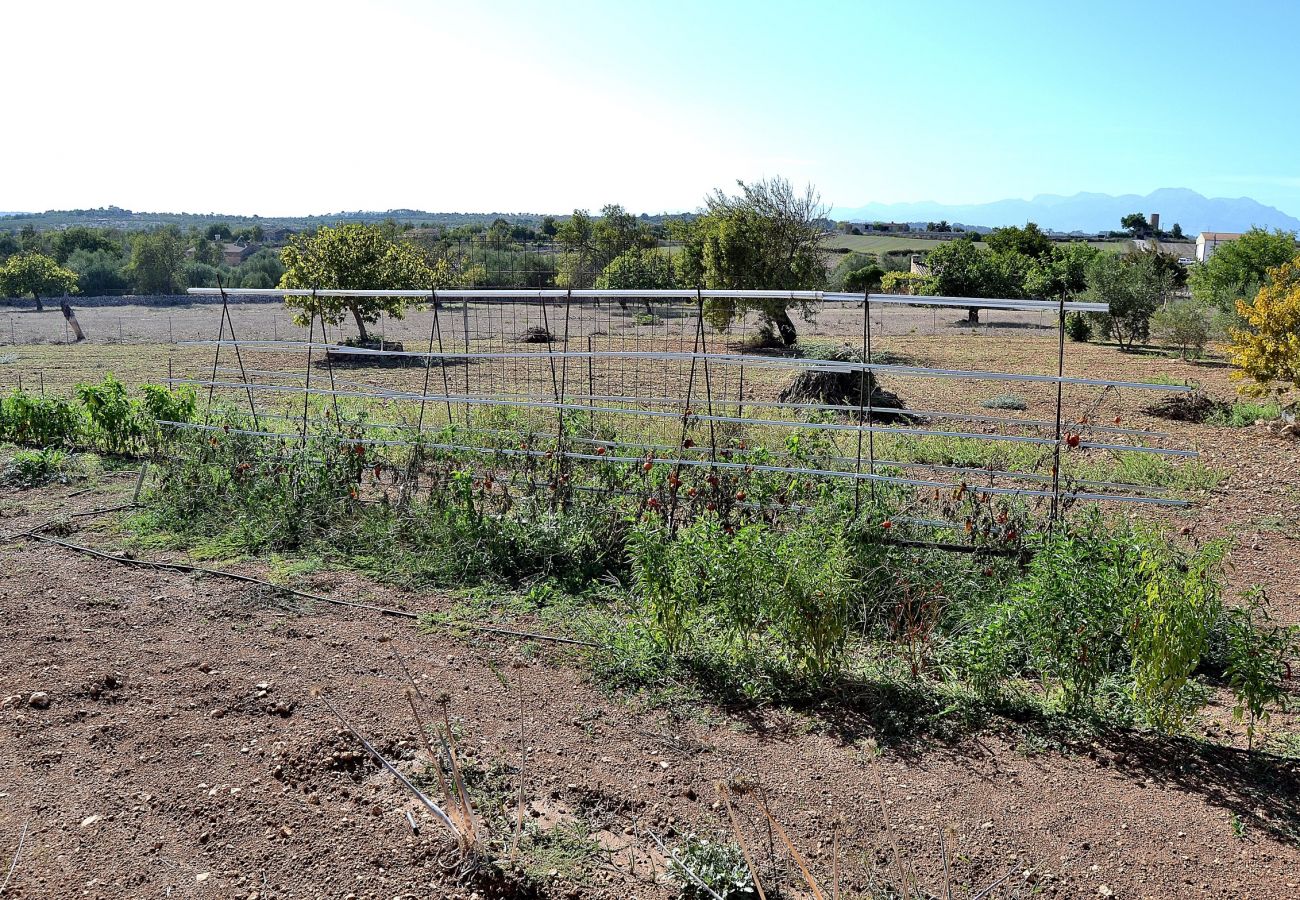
pixel 1208 241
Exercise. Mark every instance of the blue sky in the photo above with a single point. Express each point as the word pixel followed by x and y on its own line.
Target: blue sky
pixel 312 107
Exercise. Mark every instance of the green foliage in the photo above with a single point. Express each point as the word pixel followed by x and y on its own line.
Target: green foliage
pixel 360 257
pixel 912 284
pixel 79 238
pixel 1256 651
pixel 37 275
pixel 767 236
pixel 1077 327
pixel 1238 269
pixel 591 245
pixel 1184 324
pixel 1176 604
pixel 1134 285
pixel 721 866
pixel 99 272
pixel 1061 274
pixel 1028 241
pixel 157 258
pixel 112 414
pixel 33 468
pixel 638 270
pixel 40 421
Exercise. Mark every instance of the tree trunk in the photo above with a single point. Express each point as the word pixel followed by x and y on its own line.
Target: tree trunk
pixel 40 307
pixel 362 335
pixel 784 326
pixel 972 315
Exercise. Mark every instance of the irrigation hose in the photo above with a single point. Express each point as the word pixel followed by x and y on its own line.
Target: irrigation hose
pixel 37 535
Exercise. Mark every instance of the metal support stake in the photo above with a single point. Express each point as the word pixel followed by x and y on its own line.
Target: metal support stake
pixel 1060 385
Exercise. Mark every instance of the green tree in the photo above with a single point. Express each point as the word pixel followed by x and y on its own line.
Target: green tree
pixel 1029 241
pixel 1184 324
pixel 79 237
pixel 1177 232
pixel 1237 270
pixel 590 244
pixel 359 257
pixel 156 261
pixel 1062 274
pixel 961 269
pixel 35 274
pixel 766 237
pixel 1134 285
pixel 638 270
pixel 218 231
pixel 1136 224
pixel 99 272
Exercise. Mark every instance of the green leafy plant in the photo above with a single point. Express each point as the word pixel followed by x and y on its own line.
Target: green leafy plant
pixel 33 468
pixel 1257 651
pixel 721 868
pixel 41 421
pixel 112 413
pixel 1005 401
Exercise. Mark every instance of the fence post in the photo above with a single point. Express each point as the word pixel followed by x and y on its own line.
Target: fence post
pixel 171 335
pixel 1060 385
pixel 12 337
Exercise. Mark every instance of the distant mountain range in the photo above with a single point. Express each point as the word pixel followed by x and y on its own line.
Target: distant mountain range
pixel 1087 212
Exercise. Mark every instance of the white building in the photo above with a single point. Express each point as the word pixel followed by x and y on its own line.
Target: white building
pixel 1208 241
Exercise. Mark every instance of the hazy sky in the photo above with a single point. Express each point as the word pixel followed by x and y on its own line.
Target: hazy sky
pixel 289 108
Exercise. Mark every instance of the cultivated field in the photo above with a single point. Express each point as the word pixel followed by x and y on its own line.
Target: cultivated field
pixel 178 749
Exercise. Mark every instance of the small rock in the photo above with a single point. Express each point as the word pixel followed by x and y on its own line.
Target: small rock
pixel 39 700
pixel 202 877
pixel 90 820
pixel 286 831
pixel 11 702
pixel 1105 891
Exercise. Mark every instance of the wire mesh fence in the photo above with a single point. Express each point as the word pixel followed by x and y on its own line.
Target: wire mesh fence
pixel 689 400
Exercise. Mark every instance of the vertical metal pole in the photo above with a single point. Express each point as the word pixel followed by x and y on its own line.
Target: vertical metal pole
pixel 442 360
pixel 41 374
pixel 171 335
pixel 1060 385
pixel 464 316
pixel 67 338
pixel 862 399
pixel 119 329
pixel 686 419
pixel 708 388
pixel 225 311
pixel 871 384
pixel 306 391
pixel 13 339
pixel 591 379
pixel 559 409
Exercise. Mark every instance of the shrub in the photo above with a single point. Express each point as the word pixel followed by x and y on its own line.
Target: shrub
pixel 910 283
pixel 1265 350
pixel 1005 401
pixel 1077 327
pixel 41 421
pixel 1184 324
pixel 112 413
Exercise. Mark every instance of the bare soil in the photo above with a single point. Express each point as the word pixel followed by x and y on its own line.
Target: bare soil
pixel 179 752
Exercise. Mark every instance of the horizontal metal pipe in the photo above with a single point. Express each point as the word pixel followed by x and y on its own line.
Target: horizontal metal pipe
pixel 975 471
pixel 679 402
pixel 670 414
pixel 703 463
pixel 660 294
pixel 754 360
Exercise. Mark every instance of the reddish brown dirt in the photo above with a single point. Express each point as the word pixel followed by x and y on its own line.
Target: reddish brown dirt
pixel 160 768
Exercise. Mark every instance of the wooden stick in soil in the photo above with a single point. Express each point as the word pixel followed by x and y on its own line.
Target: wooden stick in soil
pixel 523 764
pixel 740 839
pixel 785 839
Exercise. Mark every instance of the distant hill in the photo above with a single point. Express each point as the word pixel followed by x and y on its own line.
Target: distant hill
pixel 128 220
pixel 1088 212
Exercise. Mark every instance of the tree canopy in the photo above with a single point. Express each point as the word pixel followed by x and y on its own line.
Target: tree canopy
pixel 157 258
pixel 35 274
pixel 1135 285
pixel 355 256
pixel 766 236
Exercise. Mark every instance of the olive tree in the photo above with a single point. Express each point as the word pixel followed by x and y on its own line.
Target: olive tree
pixel 35 274
pixel 768 236
pixel 358 257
